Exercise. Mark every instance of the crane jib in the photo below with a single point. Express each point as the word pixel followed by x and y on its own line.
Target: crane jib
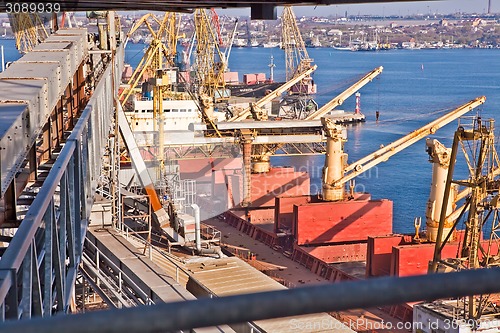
pixel 386 152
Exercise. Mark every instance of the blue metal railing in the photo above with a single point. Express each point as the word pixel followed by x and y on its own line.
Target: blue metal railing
pixel 39 267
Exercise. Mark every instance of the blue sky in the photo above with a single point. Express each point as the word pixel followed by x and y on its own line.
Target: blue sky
pixel 402 8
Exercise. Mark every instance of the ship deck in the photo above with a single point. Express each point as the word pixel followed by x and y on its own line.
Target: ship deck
pixel 282 268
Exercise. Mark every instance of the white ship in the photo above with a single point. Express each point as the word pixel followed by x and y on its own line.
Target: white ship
pixel 177 117
pixel 271 44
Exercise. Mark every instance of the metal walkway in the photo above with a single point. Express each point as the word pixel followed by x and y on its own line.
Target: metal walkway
pixel 150 278
pixel 43 96
pixel 136 273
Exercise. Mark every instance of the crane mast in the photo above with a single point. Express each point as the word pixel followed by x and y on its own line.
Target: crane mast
pixel 299 101
pixel 210 64
pixel 440 157
pixel 160 53
pixel 28 29
pixel 153 74
pixel 475 138
pixel 297 58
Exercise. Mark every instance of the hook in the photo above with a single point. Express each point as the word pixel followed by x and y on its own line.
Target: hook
pixel 417 222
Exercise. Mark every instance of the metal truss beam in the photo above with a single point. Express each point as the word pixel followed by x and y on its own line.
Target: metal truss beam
pixel 290 149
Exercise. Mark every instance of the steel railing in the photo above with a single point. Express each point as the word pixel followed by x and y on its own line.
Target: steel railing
pixel 39 267
pixel 170 317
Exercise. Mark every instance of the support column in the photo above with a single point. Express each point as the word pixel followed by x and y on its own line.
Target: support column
pixel 54 135
pixel 32 162
pixel 59 120
pixel 74 97
pixel 247 175
pixel 9 203
pixel 44 148
pixel 440 157
pixel 80 89
pixel 334 161
pixel 69 109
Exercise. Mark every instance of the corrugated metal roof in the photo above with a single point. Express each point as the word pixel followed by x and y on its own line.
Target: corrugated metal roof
pixel 232 276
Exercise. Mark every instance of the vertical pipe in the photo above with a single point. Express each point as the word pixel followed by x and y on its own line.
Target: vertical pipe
pixel 3 60
pixel 440 158
pixel 334 162
pixel 197 227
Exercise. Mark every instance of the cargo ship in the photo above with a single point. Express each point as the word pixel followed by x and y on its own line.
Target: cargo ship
pixel 255 85
pixel 339 235
pixel 255 89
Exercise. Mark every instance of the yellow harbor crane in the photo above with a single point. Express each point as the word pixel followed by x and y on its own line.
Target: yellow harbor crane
pixel 210 66
pixel 155 70
pixel 297 58
pixel 261 154
pixel 160 53
pixel 336 173
pixel 299 101
pixel 28 29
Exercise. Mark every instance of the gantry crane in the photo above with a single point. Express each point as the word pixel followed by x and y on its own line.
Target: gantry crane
pixel 158 58
pixel 336 174
pixel 160 53
pixel 154 69
pixel 210 64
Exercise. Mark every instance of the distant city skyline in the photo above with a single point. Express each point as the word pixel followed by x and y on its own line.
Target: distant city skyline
pixel 401 8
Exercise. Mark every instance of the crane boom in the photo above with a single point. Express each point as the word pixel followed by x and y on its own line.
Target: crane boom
pixel 338 100
pixel 137 25
pixel 269 97
pixel 386 152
